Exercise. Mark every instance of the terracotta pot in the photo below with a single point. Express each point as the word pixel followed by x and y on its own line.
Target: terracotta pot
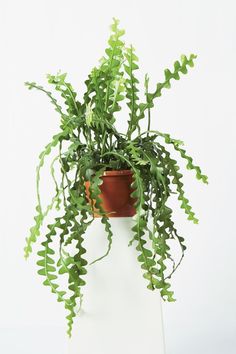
pixel 115 194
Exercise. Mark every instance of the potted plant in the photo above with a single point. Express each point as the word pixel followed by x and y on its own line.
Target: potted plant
pixel 106 173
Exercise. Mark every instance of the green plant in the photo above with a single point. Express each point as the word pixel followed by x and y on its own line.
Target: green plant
pixel 88 143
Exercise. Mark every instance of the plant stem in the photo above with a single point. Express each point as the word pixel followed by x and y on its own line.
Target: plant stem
pixel 149 111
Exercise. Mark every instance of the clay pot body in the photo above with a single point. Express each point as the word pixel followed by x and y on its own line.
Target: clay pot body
pixel 115 194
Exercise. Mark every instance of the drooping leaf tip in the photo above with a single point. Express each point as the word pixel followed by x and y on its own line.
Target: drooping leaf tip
pixel 29 85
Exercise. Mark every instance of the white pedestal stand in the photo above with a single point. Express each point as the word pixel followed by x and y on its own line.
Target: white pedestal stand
pixel 120 315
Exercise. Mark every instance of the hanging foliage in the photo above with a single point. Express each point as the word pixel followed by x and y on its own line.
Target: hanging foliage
pixel 88 144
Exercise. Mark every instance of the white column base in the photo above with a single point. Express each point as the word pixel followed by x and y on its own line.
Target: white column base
pixel 120 315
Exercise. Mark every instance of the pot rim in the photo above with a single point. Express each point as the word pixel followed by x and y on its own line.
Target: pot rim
pixel 117 173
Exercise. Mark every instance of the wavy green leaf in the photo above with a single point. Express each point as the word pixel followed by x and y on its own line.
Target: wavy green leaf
pixel 179 67
pixel 39 218
pixel 95 193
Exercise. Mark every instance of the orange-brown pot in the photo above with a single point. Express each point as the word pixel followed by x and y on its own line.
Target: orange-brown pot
pixel 115 194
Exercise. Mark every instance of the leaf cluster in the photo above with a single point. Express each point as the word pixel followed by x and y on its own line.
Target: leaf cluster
pixel 88 143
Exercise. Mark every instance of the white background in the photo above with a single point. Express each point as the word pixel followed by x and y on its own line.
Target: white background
pixel 38 37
